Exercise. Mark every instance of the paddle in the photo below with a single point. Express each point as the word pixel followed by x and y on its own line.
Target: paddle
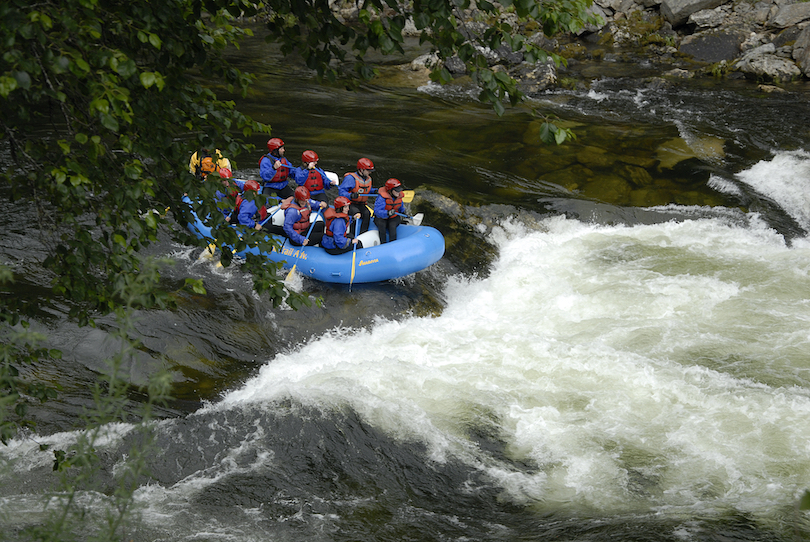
pixel 415 219
pixel 354 251
pixel 263 222
pixel 292 271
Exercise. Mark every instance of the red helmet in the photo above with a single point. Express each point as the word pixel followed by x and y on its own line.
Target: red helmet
pixel 392 184
pixel 365 163
pixel 225 173
pixel 302 193
pixel 274 143
pixel 309 156
pixel 341 202
pixel 251 185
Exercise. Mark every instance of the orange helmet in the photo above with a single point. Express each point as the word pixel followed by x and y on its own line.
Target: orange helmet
pixel 365 163
pixel 393 184
pixel 302 193
pixel 341 202
pixel 274 143
pixel 309 156
pixel 251 185
pixel 225 173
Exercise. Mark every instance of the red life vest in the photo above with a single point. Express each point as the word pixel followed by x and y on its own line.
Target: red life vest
pixel 391 204
pixel 361 186
pixel 329 215
pixel 314 181
pixel 281 173
pixel 303 221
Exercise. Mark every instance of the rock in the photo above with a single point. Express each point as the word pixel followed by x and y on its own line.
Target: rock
pixel 791 15
pixel 455 65
pixel 677 12
pixel 762 62
pixel 713 46
pixel 708 18
pixel 535 78
pixel 425 62
pixel 753 41
pixel 602 14
pixel 801 51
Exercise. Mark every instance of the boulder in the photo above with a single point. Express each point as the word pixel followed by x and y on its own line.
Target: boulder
pixel 801 51
pixel 713 46
pixel 708 18
pixel 677 12
pixel 535 78
pixel 763 63
pixel 790 15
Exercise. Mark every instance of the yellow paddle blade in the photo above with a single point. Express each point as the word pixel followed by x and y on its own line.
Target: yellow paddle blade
pixel 351 279
pixel 407 196
pixel 291 274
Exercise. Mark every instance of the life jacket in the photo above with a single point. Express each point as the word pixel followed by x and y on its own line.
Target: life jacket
pixel 303 221
pixel 281 173
pixel 314 180
pixel 361 186
pixel 235 214
pixel 391 204
pixel 205 164
pixel 330 215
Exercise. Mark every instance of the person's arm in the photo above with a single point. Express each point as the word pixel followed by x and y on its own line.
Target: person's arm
pixel 246 212
pixel 339 233
pixel 346 187
pixel 291 217
pixel 266 171
pixel 379 208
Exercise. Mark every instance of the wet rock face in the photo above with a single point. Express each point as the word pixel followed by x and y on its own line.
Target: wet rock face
pixel 801 51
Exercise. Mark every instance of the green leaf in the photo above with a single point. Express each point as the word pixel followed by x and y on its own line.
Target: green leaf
pixel 109 122
pixel 195 285
pixel 147 79
pixel 547 133
pixel 154 39
pixel 7 84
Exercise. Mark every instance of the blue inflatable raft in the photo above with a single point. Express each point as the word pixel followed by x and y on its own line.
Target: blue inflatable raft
pixel 417 247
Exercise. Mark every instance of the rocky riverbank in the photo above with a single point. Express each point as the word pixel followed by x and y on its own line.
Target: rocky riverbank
pixel 766 42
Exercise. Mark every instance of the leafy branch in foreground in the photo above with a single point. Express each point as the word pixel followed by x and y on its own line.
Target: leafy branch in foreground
pixel 120 89
pixel 313 28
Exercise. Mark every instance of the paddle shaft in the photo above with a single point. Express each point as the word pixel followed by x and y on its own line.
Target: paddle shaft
pixel 309 231
pixel 354 252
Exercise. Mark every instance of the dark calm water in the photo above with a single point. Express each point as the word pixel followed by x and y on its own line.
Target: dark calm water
pixel 615 346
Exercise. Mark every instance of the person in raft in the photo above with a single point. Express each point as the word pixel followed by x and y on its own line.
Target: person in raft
pixel 204 161
pixel 275 170
pixel 312 177
pixel 229 191
pixel 296 218
pixel 337 238
pixel 356 186
pixel 386 209
pixel 246 211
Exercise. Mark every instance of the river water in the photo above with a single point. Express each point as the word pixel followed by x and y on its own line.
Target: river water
pixel 616 345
